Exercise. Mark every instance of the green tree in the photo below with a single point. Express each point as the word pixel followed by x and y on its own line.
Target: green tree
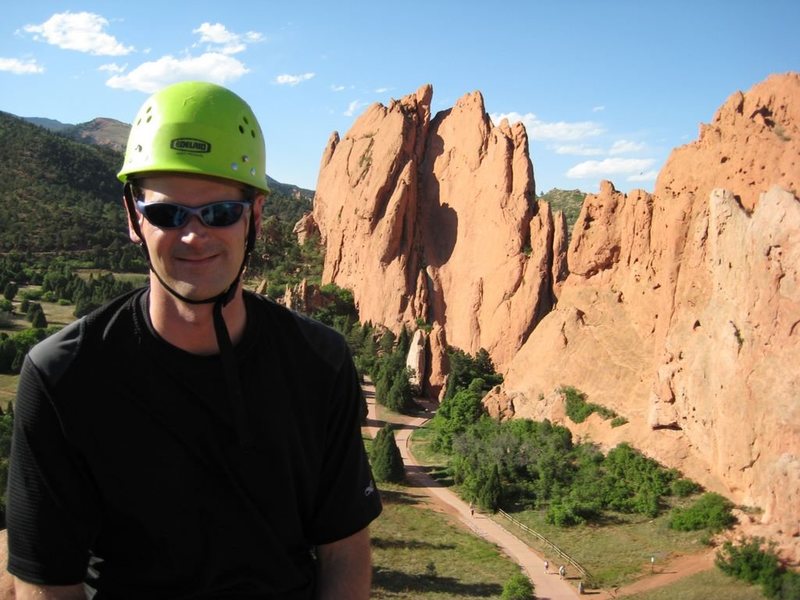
pixel 457 413
pixel 519 587
pixel 387 464
pixel 39 321
pixel 10 290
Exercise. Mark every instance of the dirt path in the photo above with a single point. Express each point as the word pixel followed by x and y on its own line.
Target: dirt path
pixel 548 585
pixel 666 573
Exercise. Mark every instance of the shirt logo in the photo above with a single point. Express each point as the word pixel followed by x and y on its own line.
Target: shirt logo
pixel 190 145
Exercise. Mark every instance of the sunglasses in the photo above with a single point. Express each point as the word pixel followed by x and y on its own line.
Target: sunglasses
pixel 166 215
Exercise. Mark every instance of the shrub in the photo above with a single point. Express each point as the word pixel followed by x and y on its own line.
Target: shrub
pixel 683 488
pixel 577 407
pixel 519 587
pixel 755 561
pixel 711 511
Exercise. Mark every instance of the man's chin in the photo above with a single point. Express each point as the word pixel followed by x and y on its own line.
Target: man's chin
pixel 197 294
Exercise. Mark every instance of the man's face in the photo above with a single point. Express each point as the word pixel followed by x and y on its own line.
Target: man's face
pixel 197 261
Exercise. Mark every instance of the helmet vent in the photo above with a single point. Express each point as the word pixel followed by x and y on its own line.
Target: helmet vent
pixel 234 166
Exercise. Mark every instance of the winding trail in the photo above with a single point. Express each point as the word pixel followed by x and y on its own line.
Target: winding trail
pixel 548 585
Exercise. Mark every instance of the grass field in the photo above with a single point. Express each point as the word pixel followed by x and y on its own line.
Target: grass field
pixel 421 554
pixel 708 585
pixel 617 551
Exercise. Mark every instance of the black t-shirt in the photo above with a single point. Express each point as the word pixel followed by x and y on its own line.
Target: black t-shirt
pixel 125 458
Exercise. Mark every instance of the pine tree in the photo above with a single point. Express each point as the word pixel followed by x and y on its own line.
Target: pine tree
pixel 490 491
pixel 387 464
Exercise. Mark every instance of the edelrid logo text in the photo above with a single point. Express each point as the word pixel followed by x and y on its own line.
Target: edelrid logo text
pixel 190 145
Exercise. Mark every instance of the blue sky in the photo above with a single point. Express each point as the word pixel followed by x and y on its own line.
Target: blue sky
pixel 606 88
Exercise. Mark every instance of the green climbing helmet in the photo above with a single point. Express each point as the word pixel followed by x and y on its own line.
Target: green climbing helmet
pixel 198 128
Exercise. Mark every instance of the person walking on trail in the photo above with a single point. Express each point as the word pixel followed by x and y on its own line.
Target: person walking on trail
pixel 562 571
pixel 546 566
pixel 190 439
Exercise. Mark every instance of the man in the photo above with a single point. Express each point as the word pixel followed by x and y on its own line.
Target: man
pixel 191 440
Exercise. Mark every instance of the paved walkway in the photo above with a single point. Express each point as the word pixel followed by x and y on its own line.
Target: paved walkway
pixel 548 586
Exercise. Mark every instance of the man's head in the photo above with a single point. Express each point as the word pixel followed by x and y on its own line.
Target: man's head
pixel 193 144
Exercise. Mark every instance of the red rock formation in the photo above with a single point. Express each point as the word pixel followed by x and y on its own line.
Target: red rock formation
pixel 681 312
pixel 434 220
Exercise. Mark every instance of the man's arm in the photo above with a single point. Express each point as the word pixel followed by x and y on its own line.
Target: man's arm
pixel 345 568
pixel 32 591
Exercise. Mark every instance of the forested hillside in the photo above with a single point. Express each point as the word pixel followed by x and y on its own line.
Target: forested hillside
pixel 56 195
pixel 62 197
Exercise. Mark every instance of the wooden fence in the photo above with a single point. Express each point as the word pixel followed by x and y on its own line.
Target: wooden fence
pixel 567 558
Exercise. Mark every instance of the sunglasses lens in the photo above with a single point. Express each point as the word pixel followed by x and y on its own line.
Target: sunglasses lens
pixel 168 216
pixel 221 214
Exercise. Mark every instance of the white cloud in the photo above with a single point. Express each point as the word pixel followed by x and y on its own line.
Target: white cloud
pixel 559 131
pixel 81 31
pixel 151 76
pixel 20 67
pixel 644 176
pixel 219 39
pixel 625 147
pixel 598 108
pixel 382 90
pixel 293 79
pixel 353 107
pixel 579 150
pixel 113 68
pixel 610 166
pixel 337 88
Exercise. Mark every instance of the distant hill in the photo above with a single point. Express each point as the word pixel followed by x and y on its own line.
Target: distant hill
pixel 567 201
pixel 60 195
pixel 114 134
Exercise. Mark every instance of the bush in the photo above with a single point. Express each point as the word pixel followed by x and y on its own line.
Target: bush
pixel 711 511
pixel 519 587
pixel 578 409
pixel 683 488
pixel 755 561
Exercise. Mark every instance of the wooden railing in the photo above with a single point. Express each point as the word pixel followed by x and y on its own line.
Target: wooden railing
pixel 567 558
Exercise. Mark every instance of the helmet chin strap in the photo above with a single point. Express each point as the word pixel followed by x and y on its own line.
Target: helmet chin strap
pixel 226 350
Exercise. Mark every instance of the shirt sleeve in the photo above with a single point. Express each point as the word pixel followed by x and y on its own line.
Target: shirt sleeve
pixel 349 499
pixel 51 504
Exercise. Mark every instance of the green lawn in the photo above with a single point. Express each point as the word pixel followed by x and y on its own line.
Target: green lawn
pixel 422 554
pixel 708 585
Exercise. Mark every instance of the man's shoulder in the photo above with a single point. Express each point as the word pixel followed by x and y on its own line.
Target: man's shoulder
pixel 58 352
pixel 302 331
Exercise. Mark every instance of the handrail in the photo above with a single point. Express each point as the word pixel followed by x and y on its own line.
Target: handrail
pixel 578 567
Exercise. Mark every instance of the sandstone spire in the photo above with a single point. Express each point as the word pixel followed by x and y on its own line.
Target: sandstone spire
pixel 434 220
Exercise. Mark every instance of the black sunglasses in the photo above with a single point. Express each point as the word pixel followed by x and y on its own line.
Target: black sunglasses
pixel 166 215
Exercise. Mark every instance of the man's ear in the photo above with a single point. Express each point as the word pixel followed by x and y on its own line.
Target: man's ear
pixel 132 230
pixel 258 206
